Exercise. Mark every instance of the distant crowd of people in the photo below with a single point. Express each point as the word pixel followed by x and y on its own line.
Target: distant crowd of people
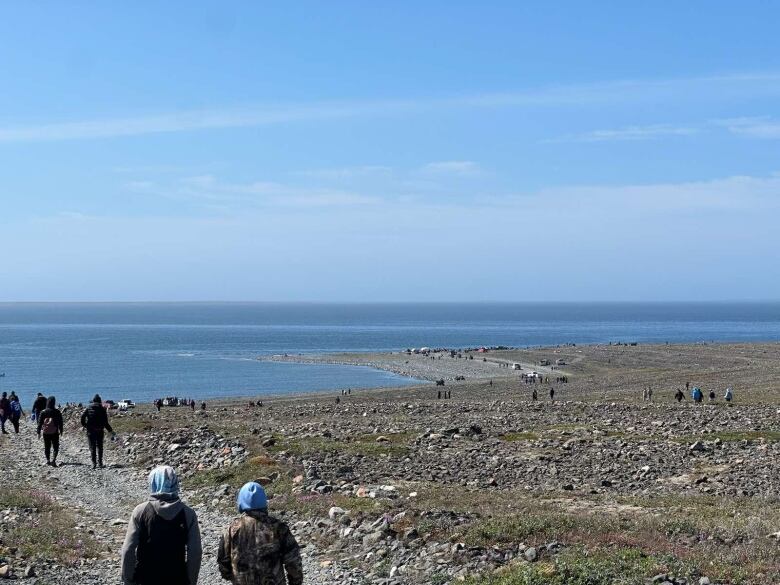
pixel 49 424
pixel 698 396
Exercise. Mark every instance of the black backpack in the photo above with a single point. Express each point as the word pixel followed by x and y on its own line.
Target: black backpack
pixel 161 558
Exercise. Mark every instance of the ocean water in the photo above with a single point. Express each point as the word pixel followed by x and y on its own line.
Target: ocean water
pixel 204 350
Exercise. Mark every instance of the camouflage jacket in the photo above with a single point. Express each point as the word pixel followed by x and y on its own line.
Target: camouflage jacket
pixel 258 549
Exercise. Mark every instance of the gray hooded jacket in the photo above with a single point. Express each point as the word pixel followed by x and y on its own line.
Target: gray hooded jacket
pixel 168 508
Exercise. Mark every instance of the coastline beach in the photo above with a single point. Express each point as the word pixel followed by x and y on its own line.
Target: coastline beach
pixel 402 486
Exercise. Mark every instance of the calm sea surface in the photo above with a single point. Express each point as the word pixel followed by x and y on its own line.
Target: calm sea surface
pixel 142 351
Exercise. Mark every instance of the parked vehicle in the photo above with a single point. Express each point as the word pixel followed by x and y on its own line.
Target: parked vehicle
pixel 125 404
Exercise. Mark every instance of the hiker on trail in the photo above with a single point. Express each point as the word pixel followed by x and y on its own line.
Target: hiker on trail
pixel 678 396
pixel 38 406
pixel 162 545
pixel 649 393
pixel 438 395
pixel 95 421
pixel 552 394
pixel 192 405
pixel 256 547
pixel 50 424
pixel 5 411
pixel 16 412
pixel 729 396
pixel 697 395
pixel 712 395
pixel 534 395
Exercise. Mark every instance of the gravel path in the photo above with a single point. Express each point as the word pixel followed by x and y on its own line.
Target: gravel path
pixel 103 500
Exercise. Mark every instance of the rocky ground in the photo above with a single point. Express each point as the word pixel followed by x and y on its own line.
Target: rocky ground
pixel 399 486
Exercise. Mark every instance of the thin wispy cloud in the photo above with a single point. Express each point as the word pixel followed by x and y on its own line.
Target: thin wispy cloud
pixel 452 167
pixel 628 91
pixel 630 134
pixel 209 192
pixel 758 127
pixel 343 173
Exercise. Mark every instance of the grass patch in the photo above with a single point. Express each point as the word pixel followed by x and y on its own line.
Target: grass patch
pixel 619 566
pixel 365 445
pixel 731 436
pixel 515 529
pixel 519 436
pixel 45 529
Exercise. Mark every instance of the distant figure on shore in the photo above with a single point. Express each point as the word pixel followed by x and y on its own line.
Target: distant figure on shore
pixel 51 426
pixel 5 411
pixel 338 400
pixel 712 395
pixel 192 405
pixel 552 394
pixel 649 393
pixel 203 406
pixel 95 421
pixel 16 412
pixel 438 395
pixel 162 544
pixel 697 395
pixel 158 404
pixel 256 547
pixel 729 396
pixel 38 406
pixel 678 396
pixel 687 386
pixel 534 395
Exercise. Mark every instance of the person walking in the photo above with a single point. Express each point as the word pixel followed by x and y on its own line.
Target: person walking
pixel 38 406
pixel 95 420
pixel 534 395
pixel 712 395
pixel 678 396
pixel 256 547
pixel 729 396
pixel 51 426
pixel 552 394
pixel 16 412
pixel 162 545
pixel 5 411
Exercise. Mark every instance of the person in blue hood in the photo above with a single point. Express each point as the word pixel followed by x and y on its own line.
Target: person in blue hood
pixel 162 545
pixel 258 549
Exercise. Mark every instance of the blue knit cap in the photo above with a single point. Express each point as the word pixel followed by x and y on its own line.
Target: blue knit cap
pixel 163 481
pixel 252 497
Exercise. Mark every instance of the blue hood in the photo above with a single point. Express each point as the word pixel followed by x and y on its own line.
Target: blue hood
pixel 252 497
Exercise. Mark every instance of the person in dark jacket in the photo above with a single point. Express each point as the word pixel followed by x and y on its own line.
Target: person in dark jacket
pixel 38 406
pixel 5 411
pixel 51 425
pixel 162 545
pixel 95 421
pixel 258 548
pixel 16 411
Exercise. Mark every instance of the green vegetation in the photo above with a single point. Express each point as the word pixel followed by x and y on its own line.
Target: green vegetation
pixel 618 566
pixel 732 436
pixel 519 436
pixel 44 530
pixel 365 445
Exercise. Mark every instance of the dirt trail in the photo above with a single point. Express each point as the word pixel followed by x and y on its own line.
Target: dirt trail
pixel 102 500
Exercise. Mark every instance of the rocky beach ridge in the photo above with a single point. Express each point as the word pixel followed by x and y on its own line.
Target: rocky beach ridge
pixel 488 486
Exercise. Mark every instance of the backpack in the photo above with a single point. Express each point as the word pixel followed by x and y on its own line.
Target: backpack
pixel 16 408
pixel 49 426
pixel 161 557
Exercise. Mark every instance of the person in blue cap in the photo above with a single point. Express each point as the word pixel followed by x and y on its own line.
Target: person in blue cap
pixel 162 545
pixel 258 549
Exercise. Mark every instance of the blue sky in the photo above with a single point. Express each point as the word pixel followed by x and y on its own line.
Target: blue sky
pixel 365 151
